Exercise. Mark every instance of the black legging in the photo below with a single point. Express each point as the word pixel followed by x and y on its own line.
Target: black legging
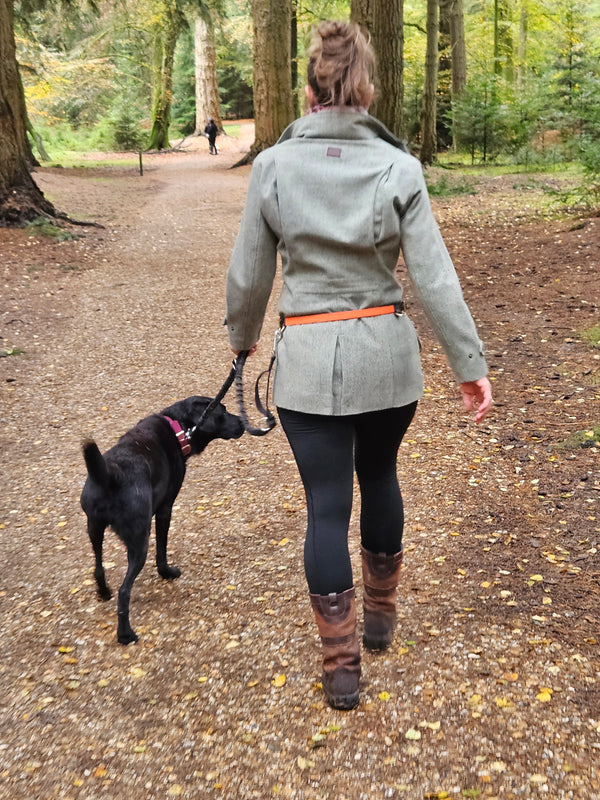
pixel 327 451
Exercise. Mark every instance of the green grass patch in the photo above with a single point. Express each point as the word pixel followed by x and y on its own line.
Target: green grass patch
pixel 232 130
pixel 40 226
pixel 587 438
pixel 451 186
pixel 13 351
pixel 591 336
pixel 505 165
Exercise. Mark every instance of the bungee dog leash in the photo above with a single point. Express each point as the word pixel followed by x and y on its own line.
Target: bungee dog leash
pixel 236 375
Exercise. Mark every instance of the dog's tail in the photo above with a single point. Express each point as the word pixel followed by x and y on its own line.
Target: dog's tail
pixel 95 463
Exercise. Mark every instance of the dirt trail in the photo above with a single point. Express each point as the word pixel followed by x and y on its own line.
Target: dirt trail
pixel 492 687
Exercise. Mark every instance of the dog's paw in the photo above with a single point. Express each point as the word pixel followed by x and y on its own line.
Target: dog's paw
pixel 127 637
pixel 169 573
pixel 104 593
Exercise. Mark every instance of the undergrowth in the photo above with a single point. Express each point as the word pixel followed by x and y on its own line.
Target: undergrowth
pixel 13 351
pixel 591 336
pixel 41 226
pixel 587 438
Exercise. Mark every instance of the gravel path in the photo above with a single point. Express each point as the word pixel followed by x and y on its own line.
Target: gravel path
pixel 491 688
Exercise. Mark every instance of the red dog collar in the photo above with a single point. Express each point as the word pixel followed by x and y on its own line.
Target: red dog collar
pixel 186 447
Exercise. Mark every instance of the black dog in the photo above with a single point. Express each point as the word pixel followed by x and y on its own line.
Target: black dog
pixel 139 478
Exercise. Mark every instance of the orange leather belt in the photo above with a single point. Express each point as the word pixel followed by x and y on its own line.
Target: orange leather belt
pixel 333 316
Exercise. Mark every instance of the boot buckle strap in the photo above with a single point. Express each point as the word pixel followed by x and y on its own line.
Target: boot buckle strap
pixel 332 641
pixel 376 592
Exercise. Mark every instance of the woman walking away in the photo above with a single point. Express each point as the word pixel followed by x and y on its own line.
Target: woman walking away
pixel 211 131
pixel 338 196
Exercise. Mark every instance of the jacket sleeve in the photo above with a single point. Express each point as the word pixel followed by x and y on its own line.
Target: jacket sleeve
pixel 436 283
pixel 253 264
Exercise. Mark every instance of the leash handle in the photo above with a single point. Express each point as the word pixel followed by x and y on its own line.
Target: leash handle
pixel 235 374
pixel 268 415
pixel 214 402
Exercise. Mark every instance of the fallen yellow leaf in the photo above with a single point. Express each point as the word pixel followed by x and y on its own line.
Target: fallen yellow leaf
pixel 537 778
pixel 137 672
pixel 544 695
pixel 279 681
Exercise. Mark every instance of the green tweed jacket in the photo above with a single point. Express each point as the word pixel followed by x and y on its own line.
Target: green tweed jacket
pixel 338 197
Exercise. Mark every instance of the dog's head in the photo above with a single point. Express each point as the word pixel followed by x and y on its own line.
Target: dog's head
pixel 219 424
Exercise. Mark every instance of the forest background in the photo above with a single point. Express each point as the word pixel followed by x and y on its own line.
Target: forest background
pixel 513 80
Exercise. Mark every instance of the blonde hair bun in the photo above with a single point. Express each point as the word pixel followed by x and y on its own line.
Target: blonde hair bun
pixel 341 65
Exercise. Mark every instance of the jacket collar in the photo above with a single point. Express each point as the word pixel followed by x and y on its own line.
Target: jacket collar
pixel 340 123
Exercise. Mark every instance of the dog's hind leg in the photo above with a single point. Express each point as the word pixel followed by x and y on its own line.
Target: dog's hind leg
pixel 136 558
pixel 162 521
pixel 96 534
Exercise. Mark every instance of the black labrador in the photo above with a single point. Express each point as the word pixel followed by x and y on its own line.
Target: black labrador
pixel 140 477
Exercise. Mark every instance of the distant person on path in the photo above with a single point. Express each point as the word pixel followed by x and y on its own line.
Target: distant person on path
pixel 211 131
pixel 339 197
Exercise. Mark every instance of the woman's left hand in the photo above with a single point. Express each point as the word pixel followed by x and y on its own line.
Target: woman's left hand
pixel 250 351
pixel 477 394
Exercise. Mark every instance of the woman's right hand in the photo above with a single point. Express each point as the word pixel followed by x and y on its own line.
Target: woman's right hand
pixel 477 394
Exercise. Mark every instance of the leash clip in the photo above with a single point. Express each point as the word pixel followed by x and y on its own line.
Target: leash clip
pixel 277 336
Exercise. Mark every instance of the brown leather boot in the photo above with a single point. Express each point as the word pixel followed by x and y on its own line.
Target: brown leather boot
pixel 381 573
pixel 336 620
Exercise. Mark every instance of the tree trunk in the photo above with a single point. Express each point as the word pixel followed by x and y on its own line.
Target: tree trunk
pixel 457 44
pixel 522 65
pixel 294 58
pixel 166 33
pixel 428 113
pixel 361 12
pixel 273 102
pixel 456 28
pixel 207 86
pixel 503 43
pixel 384 20
pixel 20 198
pixel 444 77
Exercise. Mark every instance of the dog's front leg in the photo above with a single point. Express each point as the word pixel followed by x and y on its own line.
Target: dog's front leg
pixel 163 520
pixel 136 559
